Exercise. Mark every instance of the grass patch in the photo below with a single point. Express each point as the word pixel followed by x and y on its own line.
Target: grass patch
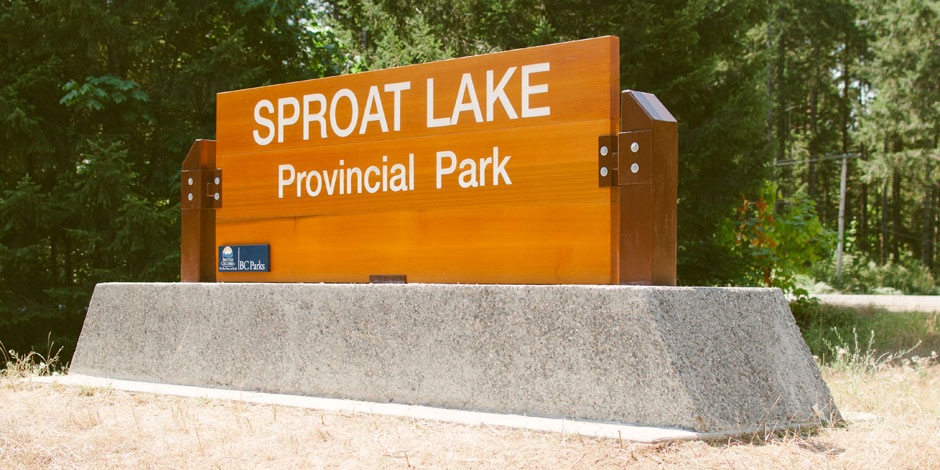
pixel 835 332
pixel 19 365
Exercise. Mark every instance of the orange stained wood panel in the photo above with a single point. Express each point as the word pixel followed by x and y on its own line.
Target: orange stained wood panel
pixel 534 165
pixel 566 243
pixel 552 224
pixel 583 80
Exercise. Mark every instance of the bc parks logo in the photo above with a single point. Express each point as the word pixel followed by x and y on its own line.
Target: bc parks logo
pixel 245 258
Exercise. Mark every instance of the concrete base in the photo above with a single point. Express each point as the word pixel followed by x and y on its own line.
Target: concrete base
pixel 703 359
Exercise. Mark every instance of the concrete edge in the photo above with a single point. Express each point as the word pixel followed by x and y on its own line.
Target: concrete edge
pixel 631 433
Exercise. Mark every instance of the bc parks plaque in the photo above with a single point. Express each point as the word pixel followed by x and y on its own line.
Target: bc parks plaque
pixel 245 258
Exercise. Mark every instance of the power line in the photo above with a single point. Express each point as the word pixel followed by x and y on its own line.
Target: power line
pixel 820 159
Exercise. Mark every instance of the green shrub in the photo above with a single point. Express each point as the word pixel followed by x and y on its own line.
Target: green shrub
pixel 863 276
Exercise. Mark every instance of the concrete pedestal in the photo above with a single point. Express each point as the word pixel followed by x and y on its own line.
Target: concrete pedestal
pixel 703 359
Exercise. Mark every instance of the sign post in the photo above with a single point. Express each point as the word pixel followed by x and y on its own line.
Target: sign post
pixel 200 195
pixel 641 163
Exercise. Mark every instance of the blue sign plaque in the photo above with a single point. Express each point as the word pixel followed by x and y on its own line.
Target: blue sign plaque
pixel 245 258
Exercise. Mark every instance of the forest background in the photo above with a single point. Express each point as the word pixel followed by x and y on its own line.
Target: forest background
pixel 100 100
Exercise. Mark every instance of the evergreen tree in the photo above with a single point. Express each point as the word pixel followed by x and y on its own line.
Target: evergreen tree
pixel 99 103
pixel 901 126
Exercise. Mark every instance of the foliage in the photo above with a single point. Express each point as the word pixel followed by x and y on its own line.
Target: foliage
pixel 99 102
pixel 862 276
pixel 775 240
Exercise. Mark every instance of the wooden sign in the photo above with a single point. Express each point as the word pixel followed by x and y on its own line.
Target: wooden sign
pixel 484 169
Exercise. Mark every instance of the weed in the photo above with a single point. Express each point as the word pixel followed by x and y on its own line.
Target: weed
pixel 860 358
pixel 21 365
pixel 825 329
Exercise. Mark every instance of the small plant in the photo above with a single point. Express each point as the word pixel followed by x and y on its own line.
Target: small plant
pixel 776 240
pixel 860 358
pixel 21 365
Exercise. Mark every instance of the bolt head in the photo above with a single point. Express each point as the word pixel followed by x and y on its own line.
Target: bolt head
pixel 190 196
pixel 604 151
pixel 634 147
pixel 603 171
pixel 634 168
pixel 190 181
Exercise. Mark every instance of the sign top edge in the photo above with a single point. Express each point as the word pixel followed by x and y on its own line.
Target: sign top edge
pixel 606 38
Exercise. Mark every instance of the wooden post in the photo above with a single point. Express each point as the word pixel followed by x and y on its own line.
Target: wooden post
pixel 647 173
pixel 200 195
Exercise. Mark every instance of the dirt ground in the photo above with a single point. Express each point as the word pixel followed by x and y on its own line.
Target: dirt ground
pixel 52 426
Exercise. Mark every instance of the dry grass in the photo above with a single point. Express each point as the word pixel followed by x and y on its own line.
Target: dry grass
pixel 49 426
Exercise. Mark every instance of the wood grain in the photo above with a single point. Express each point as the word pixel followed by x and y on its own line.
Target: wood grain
pixel 553 224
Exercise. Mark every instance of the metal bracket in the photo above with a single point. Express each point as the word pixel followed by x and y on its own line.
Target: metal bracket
pixel 636 160
pixel 201 189
pixel 607 161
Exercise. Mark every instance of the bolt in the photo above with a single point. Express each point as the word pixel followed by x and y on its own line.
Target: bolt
pixel 190 181
pixel 634 147
pixel 604 151
pixel 190 196
pixel 218 180
pixel 216 196
pixel 634 168
pixel 603 171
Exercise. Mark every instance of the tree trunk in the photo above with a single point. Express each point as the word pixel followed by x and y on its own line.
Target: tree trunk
pixel 67 275
pixel 826 213
pixel 926 239
pixel 812 177
pixel 53 261
pixel 884 221
pixel 861 237
pixel 896 225
pixel 936 229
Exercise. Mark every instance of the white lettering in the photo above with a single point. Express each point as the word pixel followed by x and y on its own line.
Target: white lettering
pixel 353 118
pixel 266 105
pixel 379 114
pixel 433 121
pixel 484 162
pixel 282 181
pixel 466 87
pixel 349 173
pixel 310 176
pixel 308 118
pixel 468 177
pixel 441 171
pixel 396 89
pixel 330 182
pixel 499 168
pixel 300 177
pixel 411 172
pixel 398 174
pixel 283 122
pixel 529 90
pixel 371 189
pixel 498 93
